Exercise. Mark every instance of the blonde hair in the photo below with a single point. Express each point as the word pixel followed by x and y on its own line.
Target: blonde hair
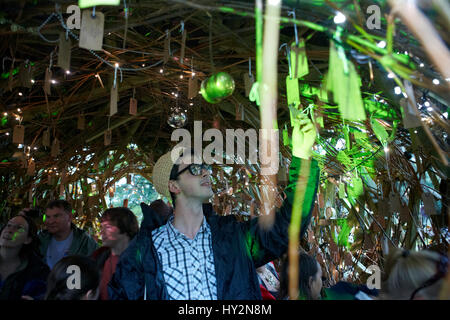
pixel 406 271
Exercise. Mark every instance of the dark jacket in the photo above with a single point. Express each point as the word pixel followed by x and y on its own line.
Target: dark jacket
pixel 30 280
pixel 82 243
pixel 238 247
pixel 100 256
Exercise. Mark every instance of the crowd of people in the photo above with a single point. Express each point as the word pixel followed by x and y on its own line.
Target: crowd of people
pixel 189 252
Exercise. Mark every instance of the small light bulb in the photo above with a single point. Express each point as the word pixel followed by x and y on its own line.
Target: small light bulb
pixel 143 65
pixel 422 65
pixel 339 18
pixel 32 81
pixel 20 94
pixel 386 149
pixel 161 70
pixel 427 104
pixel 381 44
pixel 5 114
pixel 35 148
pixel 181 76
pixel 397 90
pixel 191 104
pixel 415 131
pixel 193 74
pixel 67 71
pixel 116 65
pixel 429 109
pixel 18 110
pixel 53 81
pixel 7 133
pixel 391 75
pixel 436 81
pixel 20 146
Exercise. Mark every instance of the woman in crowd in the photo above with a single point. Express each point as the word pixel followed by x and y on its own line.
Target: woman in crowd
pixel 416 275
pixel 22 272
pixel 74 278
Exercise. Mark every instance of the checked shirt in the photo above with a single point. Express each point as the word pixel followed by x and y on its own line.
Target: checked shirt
pixel 188 264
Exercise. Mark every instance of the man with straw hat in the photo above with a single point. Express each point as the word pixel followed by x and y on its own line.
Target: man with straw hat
pixel 197 254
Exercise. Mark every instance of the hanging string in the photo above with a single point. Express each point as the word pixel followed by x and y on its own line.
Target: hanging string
pixel 250 66
pixel 126 24
pixel 115 75
pixel 210 43
pixel 295 25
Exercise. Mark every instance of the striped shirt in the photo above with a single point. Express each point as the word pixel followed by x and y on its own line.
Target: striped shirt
pixel 188 264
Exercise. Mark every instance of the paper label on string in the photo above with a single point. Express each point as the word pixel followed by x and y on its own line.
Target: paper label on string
pixel 49 178
pixel 133 106
pixel 81 122
pixel 31 168
pixel 46 138
pixel 282 175
pixel 108 137
pixel 61 190
pixel 183 46
pixel 293 95
pixel 113 100
pixel 91 33
pixel 428 203
pixel 249 80
pixel 410 120
pixel 64 52
pixel 25 75
pixel 47 81
pixel 166 48
pixel 299 61
pixel 129 179
pixel 30 196
pixel 55 148
pixel 342 191
pixel 18 134
pixel 192 88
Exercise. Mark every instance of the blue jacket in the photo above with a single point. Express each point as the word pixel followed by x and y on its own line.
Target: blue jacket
pixel 238 247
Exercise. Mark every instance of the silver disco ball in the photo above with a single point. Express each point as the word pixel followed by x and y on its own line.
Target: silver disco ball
pixel 177 119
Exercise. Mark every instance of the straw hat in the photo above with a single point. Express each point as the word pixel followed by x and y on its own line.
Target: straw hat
pixel 161 172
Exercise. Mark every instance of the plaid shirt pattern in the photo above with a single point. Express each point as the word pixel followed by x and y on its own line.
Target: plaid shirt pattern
pixel 188 264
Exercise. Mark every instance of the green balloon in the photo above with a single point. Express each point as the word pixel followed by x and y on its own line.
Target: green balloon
pixel 217 87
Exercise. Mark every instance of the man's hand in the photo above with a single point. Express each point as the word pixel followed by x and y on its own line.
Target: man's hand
pixel 303 136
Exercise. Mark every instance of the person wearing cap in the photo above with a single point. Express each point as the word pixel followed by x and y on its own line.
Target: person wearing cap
pixel 200 255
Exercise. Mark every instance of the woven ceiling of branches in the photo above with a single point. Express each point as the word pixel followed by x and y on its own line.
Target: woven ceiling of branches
pixel 216 41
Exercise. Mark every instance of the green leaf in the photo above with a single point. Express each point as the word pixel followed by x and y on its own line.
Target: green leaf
pixel 379 131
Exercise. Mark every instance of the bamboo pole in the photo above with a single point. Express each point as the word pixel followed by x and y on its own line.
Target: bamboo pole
pixel 268 143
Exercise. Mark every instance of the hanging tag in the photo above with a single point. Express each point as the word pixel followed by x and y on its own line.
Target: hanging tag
pixel 183 46
pixel 410 120
pixel 293 95
pixel 133 106
pixel 282 176
pixel 192 88
pixel 18 134
pixel 25 75
pixel 31 168
pixel 342 191
pixel 30 196
pixel 113 100
pixel 49 178
pixel 285 136
pixel 47 81
pixel 395 202
pixel 166 47
pixel 428 203
pixel 108 137
pixel 237 112
pixel 46 138
pixel 61 190
pixel 81 122
pixel 249 80
pixel 91 33
pixel 64 52
pixel 129 179
pixel 299 61
pixel 55 148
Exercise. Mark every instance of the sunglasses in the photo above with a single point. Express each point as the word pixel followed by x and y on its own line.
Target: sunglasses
pixel 196 169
